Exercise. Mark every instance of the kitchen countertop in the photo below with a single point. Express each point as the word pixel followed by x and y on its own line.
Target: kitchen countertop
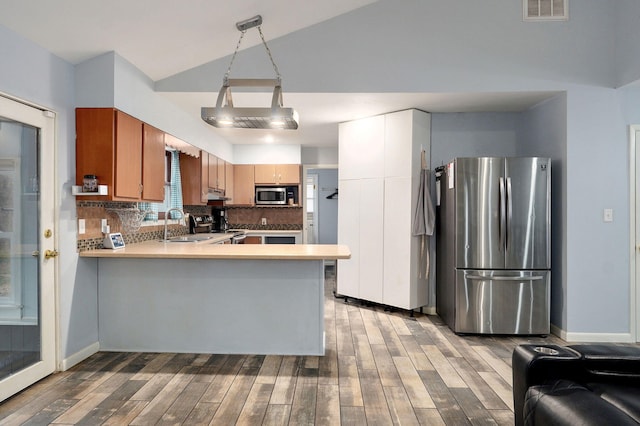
pixel 210 250
pixel 271 231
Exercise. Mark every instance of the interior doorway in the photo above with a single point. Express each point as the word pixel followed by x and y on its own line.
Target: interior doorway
pixel 320 204
pixel 28 242
pixel 311 209
pixel 634 257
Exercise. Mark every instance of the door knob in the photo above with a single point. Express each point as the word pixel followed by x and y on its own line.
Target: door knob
pixel 48 254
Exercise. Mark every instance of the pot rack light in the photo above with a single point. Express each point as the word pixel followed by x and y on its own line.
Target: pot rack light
pixel 225 114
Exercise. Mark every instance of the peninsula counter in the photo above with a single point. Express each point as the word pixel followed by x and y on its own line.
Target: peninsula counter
pixel 213 298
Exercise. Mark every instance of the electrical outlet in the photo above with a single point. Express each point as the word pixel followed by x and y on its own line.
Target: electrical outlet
pixel 264 220
pixel 81 226
pixel 103 226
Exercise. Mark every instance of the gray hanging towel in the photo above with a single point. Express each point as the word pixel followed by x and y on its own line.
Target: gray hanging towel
pixel 424 217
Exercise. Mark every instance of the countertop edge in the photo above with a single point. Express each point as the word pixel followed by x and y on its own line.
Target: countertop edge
pixel 159 250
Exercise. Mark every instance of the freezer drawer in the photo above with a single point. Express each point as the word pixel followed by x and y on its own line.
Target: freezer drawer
pixel 502 302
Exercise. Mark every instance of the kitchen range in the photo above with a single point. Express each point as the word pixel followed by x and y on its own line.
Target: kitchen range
pixel 202 224
pixel 217 226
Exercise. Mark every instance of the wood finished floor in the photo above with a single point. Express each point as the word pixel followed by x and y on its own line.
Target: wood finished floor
pixel 380 368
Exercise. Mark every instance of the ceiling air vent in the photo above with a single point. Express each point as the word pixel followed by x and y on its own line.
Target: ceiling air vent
pixel 545 10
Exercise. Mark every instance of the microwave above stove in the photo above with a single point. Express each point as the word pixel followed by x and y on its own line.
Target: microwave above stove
pixel 271 195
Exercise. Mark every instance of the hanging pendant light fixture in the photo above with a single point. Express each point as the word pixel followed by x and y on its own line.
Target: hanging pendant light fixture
pixel 225 114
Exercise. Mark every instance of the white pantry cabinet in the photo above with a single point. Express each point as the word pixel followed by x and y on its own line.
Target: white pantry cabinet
pixel 379 174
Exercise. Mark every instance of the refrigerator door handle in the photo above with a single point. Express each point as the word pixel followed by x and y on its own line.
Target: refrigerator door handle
pixel 502 226
pixel 509 214
pixel 499 278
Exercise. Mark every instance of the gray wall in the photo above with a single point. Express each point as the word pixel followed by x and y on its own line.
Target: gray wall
pixel 544 134
pixel 327 209
pixel 31 73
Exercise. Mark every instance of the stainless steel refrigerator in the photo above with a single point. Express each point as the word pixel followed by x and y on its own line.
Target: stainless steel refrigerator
pixel 493 245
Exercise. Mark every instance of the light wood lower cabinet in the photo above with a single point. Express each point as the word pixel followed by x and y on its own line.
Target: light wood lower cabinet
pixel 253 240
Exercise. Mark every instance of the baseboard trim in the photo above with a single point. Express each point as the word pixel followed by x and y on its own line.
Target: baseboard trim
pixel 79 356
pixel 571 337
pixel 429 310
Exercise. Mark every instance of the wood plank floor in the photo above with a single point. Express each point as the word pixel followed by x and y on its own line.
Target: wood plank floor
pixel 380 368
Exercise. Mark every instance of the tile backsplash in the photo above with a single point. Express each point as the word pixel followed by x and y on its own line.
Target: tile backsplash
pixel 277 218
pixel 285 218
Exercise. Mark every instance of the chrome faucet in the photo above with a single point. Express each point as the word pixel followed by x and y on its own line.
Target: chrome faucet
pixel 166 218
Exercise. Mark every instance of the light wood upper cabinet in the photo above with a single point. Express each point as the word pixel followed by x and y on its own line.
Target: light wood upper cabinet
pixel 277 174
pixel 243 184
pixel 153 163
pixel 109 144
pixel 228 180
pixel 194 173
pixel 222 174
pixel 216 173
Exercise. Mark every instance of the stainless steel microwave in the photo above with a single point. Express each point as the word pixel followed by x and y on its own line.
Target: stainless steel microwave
pixel 271 195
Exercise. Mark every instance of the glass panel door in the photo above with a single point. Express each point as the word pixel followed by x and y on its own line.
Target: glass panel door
pixel 27 314
pixel 19 327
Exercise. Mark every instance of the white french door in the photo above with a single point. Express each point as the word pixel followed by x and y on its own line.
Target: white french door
pixel 28 241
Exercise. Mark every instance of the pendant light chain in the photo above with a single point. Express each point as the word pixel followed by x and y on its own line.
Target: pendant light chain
pixel 275 67
pixel 226 75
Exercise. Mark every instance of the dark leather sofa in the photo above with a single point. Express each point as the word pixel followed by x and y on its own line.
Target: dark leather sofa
pixel 594 384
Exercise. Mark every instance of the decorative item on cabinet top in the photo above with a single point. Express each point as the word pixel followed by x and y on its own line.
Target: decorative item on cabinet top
pixel 77 190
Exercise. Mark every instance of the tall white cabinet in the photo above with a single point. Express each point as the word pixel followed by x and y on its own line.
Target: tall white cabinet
pixel 378 172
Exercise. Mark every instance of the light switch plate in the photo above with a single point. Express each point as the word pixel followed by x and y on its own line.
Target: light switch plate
pixel 608 215
pixel 81 226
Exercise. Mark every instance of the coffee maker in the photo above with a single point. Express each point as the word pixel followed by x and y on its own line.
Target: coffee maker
pixel 219 215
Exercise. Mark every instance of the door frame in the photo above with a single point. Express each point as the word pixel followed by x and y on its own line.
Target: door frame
pixel 634 226
pixel 305 169
pixel 45 120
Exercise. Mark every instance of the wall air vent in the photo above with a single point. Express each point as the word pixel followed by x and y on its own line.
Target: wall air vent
pixel 545 10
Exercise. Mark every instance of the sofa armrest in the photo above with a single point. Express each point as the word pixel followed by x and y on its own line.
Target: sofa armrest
pixel 540 364
pixel 536 365
pixel 612 363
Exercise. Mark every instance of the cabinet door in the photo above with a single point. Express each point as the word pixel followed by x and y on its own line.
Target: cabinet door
pixel 288 174
pixel 128 161
pixel 371 238
pixel 265 174
pixel 348 280
pixel 191 175
pixel 212 177
pixel 228 179
pixel 153 164
pixel 404 285
pixel 204 176
pixel 398 144
pixel 361 148
pixel 95 148
pixel 243 184
pixel 222 165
